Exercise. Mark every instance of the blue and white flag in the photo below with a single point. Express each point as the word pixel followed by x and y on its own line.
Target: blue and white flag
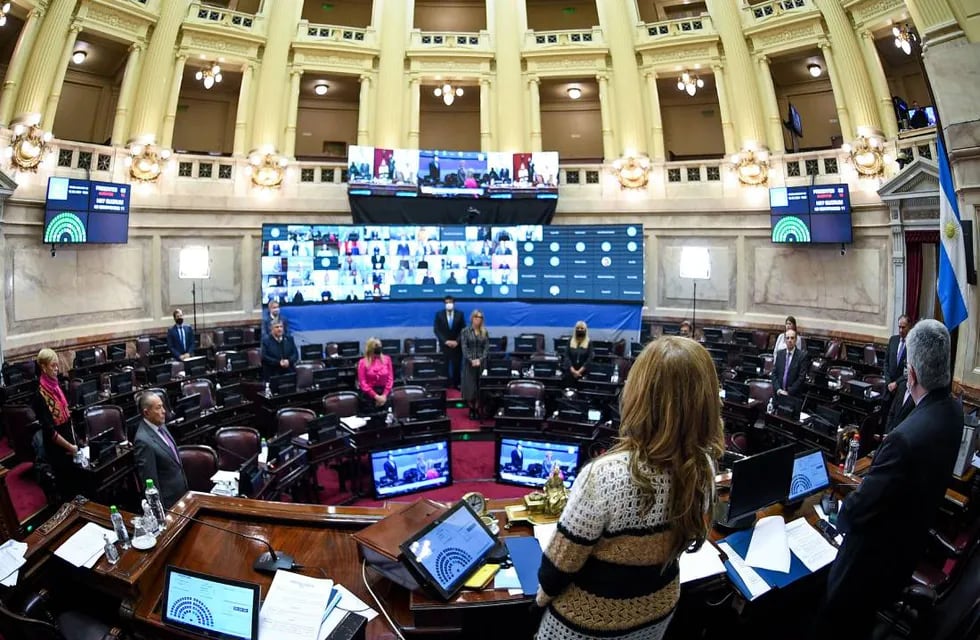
pixel 951 286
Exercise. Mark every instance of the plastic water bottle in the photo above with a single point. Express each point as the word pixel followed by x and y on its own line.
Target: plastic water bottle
pixel 156 505
pixel 769 406
pixel 150 521
pixel 531 372
pixel 119 526
pixel 268 390
pixel 265 449
pixel 614 378
pixel 538 409
pixel 390 418
pixel 111 552
pixel 852 454
pixel 228 364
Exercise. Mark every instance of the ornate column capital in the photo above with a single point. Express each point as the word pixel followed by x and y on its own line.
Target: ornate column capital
pixel 38 11
pixel 137 46
pixel 295 72
pixel 75 28
pixel 650 74
pixel 533 80
pixel 365 78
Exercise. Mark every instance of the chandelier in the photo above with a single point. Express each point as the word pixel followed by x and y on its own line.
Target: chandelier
pixel 689 83
pixel 4 10
pixel 448 93
pixel 905 38
pixel 209 75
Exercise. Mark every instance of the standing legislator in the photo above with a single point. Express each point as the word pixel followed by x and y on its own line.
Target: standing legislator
pixel 895 360
pixel 447 326
pixel 789 370
pixel 180 337
pixel 887 519
pixel 156 453
pixel 279 354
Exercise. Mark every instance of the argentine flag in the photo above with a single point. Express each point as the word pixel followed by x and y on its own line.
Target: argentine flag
pixel 951 286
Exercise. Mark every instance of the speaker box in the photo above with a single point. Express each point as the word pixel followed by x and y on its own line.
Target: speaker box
pixel 971 264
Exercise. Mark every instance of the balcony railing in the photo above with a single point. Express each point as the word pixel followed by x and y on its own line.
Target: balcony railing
pixel 210 15
pixel 334 33
pixel 765 11
pixel 544 40
pixel 700 25
pixel 456 40
pixel 923 145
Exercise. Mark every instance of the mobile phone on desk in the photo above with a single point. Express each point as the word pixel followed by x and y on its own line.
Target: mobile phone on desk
pixel 482 577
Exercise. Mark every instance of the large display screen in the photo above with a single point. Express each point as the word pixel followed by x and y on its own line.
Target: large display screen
pixel 529 463
pixel 84 211
pixel 347 263
pixel 403 470
pixel 373 171
pixel 814 214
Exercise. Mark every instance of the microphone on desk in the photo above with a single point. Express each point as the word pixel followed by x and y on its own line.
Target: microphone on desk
pixel 269 562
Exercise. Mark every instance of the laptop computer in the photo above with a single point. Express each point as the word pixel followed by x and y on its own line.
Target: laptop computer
pixel 210 606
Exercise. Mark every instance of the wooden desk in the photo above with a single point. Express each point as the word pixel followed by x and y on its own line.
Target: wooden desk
pixel 200 430
pixel 113 481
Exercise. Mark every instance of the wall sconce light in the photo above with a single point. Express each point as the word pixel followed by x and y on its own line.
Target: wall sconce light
pixel 574 93
pixel 905 38
pixel 28 146
pixel 4 10
pixel 79 57
pixel 632 171
pixel 321 88
pixel 267 167
pixel 448 93
pixel 867 155
pixel 209 75
pixel 751 166
pixel 814 69
pixel 146 161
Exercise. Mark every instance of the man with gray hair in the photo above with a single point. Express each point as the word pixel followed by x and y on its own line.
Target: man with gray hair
pixel 887 519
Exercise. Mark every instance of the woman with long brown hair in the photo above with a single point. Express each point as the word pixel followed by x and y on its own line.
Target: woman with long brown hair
pixel 611 569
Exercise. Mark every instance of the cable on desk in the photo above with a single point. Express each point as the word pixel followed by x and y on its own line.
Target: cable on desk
pixel 377 601
pixel 720 602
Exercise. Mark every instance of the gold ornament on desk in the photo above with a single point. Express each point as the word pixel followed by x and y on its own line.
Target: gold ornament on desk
pixel 542 507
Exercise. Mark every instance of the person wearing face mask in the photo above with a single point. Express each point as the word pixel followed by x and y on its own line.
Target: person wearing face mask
pixel 180 337
pixel 578 355
pixel 53 414
pixel 447 326
pixel 375 376
pixel 476 348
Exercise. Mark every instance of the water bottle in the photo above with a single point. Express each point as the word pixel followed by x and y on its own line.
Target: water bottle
pixel 769 406
pixel 156 505
pixel 614 378
pixel 122 535
pixel 538 409
pixel 150 522
pixel 411 348
pixel 268 390
pixel 852 454
pixel 390 418
pixel 106 387
pixel 111 552
pixel 228 364
pixel 265 449
pixel 531 372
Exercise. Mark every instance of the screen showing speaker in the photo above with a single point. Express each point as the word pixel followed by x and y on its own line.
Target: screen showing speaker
pixel 86 211
pixel 374 171
pixel 813 214
pixel 408 469
pixel 347 263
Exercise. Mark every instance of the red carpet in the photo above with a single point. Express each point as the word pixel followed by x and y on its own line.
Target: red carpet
pixel 25 493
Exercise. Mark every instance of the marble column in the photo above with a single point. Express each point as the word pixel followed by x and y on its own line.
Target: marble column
pixel 774 125
pixel 54 95
pixel 656 144
pixel 124 105
pixel 292 114
pixel 608 140
pixel 414 114
pixel 507 23
pixel 157 75
pixel 240 145
pixel 170 115
pixel 43 63
pixel 934 19
pixel 859 96
pixel 363 111
pixel 392 20
pixel 534 102
pixel 485 143
pixel 837 85
pixel 618 20
pixel 883 96
pixel 270 107
pixel 18 62
pixel 724 106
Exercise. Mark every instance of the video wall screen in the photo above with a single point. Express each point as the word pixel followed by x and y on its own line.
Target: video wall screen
pixel 813 214
pixel 86 211
pixel 353 263
pixel 411 173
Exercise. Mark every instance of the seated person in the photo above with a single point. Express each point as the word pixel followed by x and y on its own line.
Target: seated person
pixel 686 329
pixel 375 376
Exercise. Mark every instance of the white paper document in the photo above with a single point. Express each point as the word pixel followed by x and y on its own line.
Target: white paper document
pixel 544 533
pixel 294 607
pixel 85 547
pixel 702 563
pixel 804 416
pixel 768 548
pixel 753 582
pixel 353 422
pixel 808 545
pixel 507 579
pixel 349 603
pixel 227 477
pixel 11 560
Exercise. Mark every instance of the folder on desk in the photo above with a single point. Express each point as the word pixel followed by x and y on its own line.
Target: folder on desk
pixel 739 543
pixel 525 553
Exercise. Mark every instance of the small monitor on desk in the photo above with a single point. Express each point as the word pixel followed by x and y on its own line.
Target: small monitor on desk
pixel 602 347
pixel 825 420
pixel 635 348
pixel 528 462
pixel 196 366
pixel 408 469
pixel 234 337
pixel 425 345
pixel 816 347
pixel 87 392
pixel 231 395
pixel 425 370
pixel 209 606
pixel 391 347
pixel 742 337
pixel 158 346
pixel 809 476
pixel 517 406
pixel 349 348
pixel 325 377
pixel 237 359
pixel 599 372
pixel 159 373
pixel 561 344
pixel 283 384
pixel 859 388
pixel 427 408
pixel 84 358
pixel 323 428
pixel 496 345
pixel 278 447
pixel 525 344
pixel 188 407
pixel 736 391
pixel 672 330
pixel 117 352
pixel 121 382
pixel 311 352
pixel 712 335
pixel 757 482
pixel 788 407
pixel 250 476
pixel 545 369
pixel 102 447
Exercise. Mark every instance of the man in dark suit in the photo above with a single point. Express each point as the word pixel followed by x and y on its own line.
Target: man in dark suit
pixel 434 170
pixel 901 406
pixel 156 453
pixel 789 371
pixel 279 353
pixel 895 360
pixel 391 469
pixel 887 519
pixel 447 326
pixel 270 315
pixel 180 337
pixel 517 457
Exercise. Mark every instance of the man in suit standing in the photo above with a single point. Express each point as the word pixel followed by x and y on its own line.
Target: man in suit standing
pixel 517 457
pixel 180 337
pixel 391 469
pixel 895 360
pixel 279 353
pixel 434 170
pixel 789 371
pixel 901 406
pixel 156 453
pixel 887 519
pixel 447 326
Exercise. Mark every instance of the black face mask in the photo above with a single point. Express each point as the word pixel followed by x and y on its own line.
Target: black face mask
pixel 580 333
pixel 179 321
pixel 377 351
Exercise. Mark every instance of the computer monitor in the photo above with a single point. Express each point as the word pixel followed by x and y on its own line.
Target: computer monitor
pixel 116 352
pixel 427 408
pixel 809 476
pixel 499 367
pixel 283 384
pixel 231 395
pixel 816 347
pixel 545 369
pixel 525 344
pixel 391 347
pixel 102 447
pixel 576 410
pixel 599 372
pixel 159 373
pixel 517 406
pixel 561 344
pixel 736 391
pixel 636 348
pixel 742 337
pixel 425 370
pixel 209 606
pixel 497 345
pixel 158 346
pixel 349 348
pixel 825 420
pixel 325 377
pixel 712 335
pixel 121 382
pixel 425 345
pixel 196 366
pixel 408 469
pixel 323 428
pixel 279 447
pixel 528 462
pixel 601 347
pixel 234 337
pixel 311 352
pixel 751 362
pixel 855 353
pixel 87 392
pixel 757 482
pixel 250 476
pixel 787 406
pixel 859 388
pixel 188 406
pixel 84 358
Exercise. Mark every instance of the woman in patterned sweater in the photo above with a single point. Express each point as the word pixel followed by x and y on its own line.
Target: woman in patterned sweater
pixel 611 569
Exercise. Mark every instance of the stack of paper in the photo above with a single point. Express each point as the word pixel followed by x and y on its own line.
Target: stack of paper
pixel 353 422
pixel 306 608
pixel 753 581
pixel 769 548
pixel 808 545
pixel 11 560
pixel 85 547
pixel 703 563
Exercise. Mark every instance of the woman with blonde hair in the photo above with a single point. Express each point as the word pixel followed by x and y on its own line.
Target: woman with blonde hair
pixel 611 570
pixel 475 344
pixel 375 376
pixel 578 355
pixel 54 415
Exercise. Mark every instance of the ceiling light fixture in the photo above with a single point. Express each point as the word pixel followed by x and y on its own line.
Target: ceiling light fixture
pixel 448 93
pixel 79 57
pixel 574 93
pixel 904 38
pixel 209 75
pixel 4 10
pixel 321 88
pixel 689 83
pixel 814 69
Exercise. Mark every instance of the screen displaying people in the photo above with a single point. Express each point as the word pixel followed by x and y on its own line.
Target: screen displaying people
pixel 530 462
pixel 409 469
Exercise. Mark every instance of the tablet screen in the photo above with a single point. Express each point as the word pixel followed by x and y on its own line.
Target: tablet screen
pixel 211 606
pixel 809 475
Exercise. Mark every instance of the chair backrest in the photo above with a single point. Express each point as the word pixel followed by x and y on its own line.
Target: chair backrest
pixel 101 418
pixel 760 389
pixel 218 337
pixel 221 360
pixel 767 363
pixel 293 419
pixel 200 462
pixel 342 403
pixel 760 338
pixel 143 346
pixel 401 397
pixel 843 374
pixel 16 625
pixel 870 355
pixel 878 383
pixel 202 386
pixel 254 356
pixel 834 350
pixel 304 373
pixel 20 425
pixel 235 445
pixel 526 388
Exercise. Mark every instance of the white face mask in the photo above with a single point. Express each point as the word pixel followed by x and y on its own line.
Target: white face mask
pixel 449 307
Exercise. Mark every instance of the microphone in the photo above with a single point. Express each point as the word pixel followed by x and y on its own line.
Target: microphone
pixel 269 562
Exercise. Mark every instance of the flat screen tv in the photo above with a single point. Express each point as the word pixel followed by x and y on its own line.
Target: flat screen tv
pixel 408 469
pixel 528 462
pixel 793 122
pixel 818 214
pixel 86 212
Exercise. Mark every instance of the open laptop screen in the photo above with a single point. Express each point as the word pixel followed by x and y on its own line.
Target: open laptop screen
pixel 210 606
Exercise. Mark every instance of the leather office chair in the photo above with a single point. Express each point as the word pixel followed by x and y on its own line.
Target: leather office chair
pixel 176 369
pixel 843 374
pixel 221 360
pixel 253 355
pixel 835 350
pixel 218 337
pixel 870 355
pixel 760 339
pixel 878 383
pixel 200 462
pixel 235 445
pixel 20 425
pixel 202 386
pixel 401 397
pixel 760 389
pixel 100 357
pixel 526 388
pixel 35 619
pixel 304 373
pixel 101 418
pixel 143 348
pixel 294 420
pixel 737 442
pixel 342 403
